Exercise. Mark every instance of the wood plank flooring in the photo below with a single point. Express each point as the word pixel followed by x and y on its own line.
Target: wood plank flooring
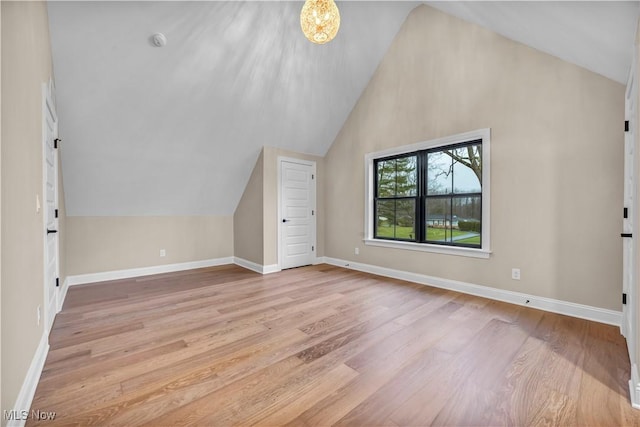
pixel 323 346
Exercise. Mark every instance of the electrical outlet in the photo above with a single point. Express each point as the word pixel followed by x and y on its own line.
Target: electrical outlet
pixel 39 315
pixel 515 273
pixel 357 251
pixel 163 252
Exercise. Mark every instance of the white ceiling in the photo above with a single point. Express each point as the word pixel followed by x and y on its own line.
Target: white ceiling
pixel 177 130
pixel 596 35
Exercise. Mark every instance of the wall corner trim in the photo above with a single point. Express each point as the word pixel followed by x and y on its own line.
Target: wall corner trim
pixel 273 268
pixel 63 294
pixel 547 304
pixel 82 279
pixel 28 389
pixel 258 268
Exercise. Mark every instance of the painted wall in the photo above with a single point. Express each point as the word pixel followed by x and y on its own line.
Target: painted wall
pixel 247 219
pixel 26 65
pixel 271 201
pixel 556 160
pixel 99 244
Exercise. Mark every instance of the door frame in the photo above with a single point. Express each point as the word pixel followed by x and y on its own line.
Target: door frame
pixel 629 226
pixel 48 102
pixel 314 205
pixel 629 313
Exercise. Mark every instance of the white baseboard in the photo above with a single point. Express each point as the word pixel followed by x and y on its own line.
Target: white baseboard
pixel 319 260
pixel 258 268
pixel 547 304
pixel 268 269
pixel 249 265
pixel 81 279
pixel 634 387
pixel 21 409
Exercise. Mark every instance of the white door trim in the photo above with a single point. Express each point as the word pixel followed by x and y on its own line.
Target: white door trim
pixel 313 202
pixel 629 323
pixel 48 104
pixel 629 225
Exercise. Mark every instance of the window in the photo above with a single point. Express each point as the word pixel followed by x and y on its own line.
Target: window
pixel 396 197
pixel 431 196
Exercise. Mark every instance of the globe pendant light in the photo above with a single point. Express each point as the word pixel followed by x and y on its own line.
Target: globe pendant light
pixel 320 20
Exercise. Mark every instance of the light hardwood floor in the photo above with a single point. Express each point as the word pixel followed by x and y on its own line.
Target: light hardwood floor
pixel 323 345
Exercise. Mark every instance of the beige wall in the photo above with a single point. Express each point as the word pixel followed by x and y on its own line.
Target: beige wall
pixel 26 65
pixel 99 244
pixel 556 160
pixel 248 218
pixel 271 201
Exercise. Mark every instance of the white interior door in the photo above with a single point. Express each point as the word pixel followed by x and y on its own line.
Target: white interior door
pixel 297 213
pixel 629 245
pixel 50 172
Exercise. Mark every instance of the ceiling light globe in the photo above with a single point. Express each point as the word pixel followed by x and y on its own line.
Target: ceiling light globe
pixel 320 20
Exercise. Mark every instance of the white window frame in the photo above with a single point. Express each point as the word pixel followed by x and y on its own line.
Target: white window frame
pixel 485 250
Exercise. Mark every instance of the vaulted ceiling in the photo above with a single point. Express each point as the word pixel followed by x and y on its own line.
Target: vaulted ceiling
pixel 176 130
pixel 596 35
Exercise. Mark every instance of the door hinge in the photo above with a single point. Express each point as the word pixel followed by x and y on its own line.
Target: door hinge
pixel 313 212
pixel 55 142
pixel 624 299
pixel 56 213
pixel 57 282
pixel 626 125
pixel 313 176
pixel 313 248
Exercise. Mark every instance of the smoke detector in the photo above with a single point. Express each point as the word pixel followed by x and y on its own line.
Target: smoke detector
pixel 159 40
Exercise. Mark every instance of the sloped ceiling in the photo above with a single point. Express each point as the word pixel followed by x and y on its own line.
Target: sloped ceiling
pixel 177 130
pixel 596 35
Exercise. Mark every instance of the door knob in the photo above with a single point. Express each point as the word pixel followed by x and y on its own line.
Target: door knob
pixel 51 231
pixel 285 220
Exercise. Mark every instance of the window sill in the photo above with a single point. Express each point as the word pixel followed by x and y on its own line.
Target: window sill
pixel 425 247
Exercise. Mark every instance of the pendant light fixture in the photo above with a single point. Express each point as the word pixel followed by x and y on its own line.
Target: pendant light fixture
pixel 320 20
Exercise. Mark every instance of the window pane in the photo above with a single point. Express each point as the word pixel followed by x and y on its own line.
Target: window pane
pixel 406 176
pixel 385 218
pixel 398 177
pixel 395 219
pixel 467 215
pixel 386 178
pixel 406 219
pixel 439 173
pixel 438 219
pixel 467 169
